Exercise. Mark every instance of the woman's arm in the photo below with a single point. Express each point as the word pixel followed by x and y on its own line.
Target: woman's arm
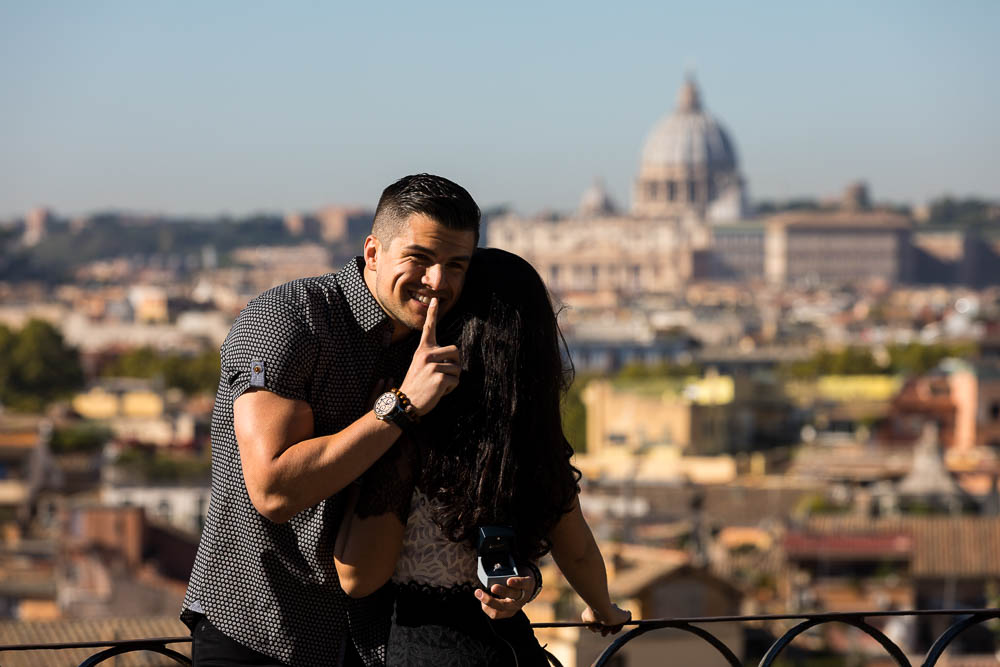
pixel 370 537
pixel 367 549
pixel 579 558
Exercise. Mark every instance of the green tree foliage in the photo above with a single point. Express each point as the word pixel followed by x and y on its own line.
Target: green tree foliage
pixel 909 359
pixel 85 437
pixel 963 212
pixel 667 369
pixel 800 204
pixel 154 466
pixel 574 415
pixel 191 374
pixel 108 235
pixel 36 366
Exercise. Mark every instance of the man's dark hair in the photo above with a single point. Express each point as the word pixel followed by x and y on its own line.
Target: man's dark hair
pixel 445 202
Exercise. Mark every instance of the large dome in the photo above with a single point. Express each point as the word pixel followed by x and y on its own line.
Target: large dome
pixel 689 167
pixel 689 137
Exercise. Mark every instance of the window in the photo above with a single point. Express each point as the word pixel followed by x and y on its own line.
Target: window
pixel 995 410
pixel 671 191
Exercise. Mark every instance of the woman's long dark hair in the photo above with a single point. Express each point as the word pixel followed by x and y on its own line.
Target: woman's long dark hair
pixel 495 449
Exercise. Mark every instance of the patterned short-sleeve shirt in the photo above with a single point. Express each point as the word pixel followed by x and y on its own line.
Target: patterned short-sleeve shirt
pixel 273 587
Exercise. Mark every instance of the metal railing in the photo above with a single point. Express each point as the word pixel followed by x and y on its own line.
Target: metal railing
pixel 967 618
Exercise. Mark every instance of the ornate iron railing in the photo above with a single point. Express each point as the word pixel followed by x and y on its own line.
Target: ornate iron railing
pixel 967 618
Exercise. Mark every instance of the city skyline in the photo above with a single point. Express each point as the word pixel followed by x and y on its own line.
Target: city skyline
pixel 230 108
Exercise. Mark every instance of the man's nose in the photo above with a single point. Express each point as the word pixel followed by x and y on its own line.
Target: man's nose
pixel 434 277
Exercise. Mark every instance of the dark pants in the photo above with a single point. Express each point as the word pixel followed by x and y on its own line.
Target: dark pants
pixel 211 648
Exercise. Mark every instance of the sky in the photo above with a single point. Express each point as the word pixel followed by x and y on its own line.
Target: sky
pixel 223 107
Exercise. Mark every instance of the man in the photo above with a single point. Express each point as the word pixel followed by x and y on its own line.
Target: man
pixel 293 425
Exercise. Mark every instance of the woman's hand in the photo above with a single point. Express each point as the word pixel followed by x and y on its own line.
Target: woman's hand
pixel 610 622
pixel 506 601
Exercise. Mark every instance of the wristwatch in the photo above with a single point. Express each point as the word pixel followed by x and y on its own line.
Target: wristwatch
pixel 394 407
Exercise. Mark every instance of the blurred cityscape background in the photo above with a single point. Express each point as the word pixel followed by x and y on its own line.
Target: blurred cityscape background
pixel 787 393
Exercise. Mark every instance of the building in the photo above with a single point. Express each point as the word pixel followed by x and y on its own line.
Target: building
pixel 682 417
pixel 688 221
pixel 842 246
pixel 700 416
pixel 962 398
pixel 911 562
pixel 688 174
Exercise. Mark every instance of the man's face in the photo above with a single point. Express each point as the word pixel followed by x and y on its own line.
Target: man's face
pixel 424 260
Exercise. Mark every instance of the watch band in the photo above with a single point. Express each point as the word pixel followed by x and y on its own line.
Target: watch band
pixel 537 574
pixel 406 406
pixel 394 407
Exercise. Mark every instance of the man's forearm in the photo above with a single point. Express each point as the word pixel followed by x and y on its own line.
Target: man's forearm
pixel 286 469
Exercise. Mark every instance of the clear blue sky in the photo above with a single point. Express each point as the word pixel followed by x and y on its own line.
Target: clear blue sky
pixel 212 107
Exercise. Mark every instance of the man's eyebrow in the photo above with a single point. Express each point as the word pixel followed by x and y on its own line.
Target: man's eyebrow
pixel 414 247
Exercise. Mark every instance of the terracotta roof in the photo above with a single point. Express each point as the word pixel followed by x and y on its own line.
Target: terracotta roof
pixel 87 630
pixel 631 581
pixel 19 439
pixel 942 545
pixel 848 546
pixel 734 504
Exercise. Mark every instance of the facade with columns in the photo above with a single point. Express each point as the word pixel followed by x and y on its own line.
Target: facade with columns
pixel 688 177
pixel 688 222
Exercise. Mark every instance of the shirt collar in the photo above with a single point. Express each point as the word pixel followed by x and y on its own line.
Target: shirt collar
pixel 364 307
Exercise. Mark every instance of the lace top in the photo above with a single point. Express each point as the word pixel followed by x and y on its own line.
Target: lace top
pixel 429 559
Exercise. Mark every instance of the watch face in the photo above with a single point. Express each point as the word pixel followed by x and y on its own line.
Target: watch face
pixel 385 404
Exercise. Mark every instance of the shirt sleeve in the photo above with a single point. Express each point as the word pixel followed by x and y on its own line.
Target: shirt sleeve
pixel 271 347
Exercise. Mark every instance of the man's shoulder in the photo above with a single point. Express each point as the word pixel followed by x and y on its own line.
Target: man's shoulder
pixel 302 292
pixel 310 304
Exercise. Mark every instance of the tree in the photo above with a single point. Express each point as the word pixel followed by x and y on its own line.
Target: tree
pixel 574 415
pixel 189 373
pixel 37 367
pixel 86 437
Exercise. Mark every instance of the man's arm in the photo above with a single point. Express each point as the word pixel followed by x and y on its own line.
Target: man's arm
pixel 287 469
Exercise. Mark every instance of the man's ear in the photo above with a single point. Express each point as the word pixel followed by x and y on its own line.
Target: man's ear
pixel 372 249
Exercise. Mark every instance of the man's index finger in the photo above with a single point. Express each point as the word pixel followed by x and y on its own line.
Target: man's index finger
pixel 429 335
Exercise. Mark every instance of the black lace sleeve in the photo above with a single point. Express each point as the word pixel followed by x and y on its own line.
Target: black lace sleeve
pixel 388 485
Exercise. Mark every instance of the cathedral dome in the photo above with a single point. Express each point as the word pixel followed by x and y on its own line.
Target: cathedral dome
pixel 689 137
pixel 596 202
pixel 689 167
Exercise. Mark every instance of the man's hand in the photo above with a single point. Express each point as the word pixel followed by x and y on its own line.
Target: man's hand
pixel 506 600
pixel 434 370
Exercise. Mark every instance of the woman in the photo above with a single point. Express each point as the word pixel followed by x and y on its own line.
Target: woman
pixel 492 453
